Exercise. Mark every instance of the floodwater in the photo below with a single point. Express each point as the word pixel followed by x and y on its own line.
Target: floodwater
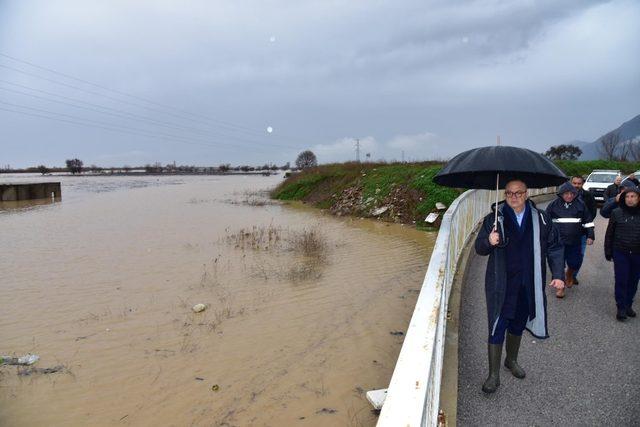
pixel 102 284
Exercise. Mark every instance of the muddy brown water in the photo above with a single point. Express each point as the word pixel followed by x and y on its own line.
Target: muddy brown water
pixel 103 283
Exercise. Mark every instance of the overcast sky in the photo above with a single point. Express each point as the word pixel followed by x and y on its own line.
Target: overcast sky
pixel 203 82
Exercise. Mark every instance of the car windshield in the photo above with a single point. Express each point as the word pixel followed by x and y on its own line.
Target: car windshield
pixel 602 177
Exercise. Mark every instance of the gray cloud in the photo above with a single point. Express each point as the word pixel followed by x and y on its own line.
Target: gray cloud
pixel 537 73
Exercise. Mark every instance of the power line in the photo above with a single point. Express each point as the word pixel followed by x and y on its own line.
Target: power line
pixel 31 64
pixel 122 129
pixel 121 113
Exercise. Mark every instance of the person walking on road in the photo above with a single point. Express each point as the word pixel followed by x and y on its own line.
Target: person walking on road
pixel 622 246
pixel 613 189
pixel 518 248
pixel 590 202
pixel 573 220
pixel 612 203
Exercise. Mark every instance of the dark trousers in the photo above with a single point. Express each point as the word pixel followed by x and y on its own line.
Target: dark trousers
pixel 627 272
pixel 573 256
pixel 515 326
pixel 583 246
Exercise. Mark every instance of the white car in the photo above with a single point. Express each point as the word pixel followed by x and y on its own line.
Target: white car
pixel 598 181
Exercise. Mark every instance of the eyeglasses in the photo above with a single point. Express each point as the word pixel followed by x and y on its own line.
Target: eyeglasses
pixel 515 193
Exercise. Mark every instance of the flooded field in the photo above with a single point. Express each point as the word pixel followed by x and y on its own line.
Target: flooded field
pixel 301 316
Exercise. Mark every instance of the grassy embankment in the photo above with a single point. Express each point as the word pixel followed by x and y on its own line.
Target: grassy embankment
pixel 397 192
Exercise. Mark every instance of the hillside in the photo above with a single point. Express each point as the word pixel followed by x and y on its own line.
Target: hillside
pixel 397 192
pixel 629 130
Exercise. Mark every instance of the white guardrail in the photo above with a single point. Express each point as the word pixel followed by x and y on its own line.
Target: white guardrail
pixel 413 396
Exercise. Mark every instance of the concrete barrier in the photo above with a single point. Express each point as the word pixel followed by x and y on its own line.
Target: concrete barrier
pixel 30 191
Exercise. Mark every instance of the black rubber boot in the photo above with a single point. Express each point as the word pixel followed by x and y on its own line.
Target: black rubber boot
pixel 511 361
pixel 630 312
pixel 621 315
pixel 493 381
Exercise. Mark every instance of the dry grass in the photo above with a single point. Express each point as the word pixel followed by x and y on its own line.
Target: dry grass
pixel 257 238
pixel 309 246
pixel 308 242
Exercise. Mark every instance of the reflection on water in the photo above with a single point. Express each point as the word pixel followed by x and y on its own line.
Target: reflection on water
pixel 297 326
pixel 6 207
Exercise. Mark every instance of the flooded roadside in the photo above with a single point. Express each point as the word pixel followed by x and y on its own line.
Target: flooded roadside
pixel 104 282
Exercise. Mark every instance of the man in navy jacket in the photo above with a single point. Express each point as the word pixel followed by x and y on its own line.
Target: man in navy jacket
pixel 518 248
pixel 573 220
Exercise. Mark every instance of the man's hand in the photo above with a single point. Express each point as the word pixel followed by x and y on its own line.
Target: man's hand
pixel 589 242
pixel 557 283
pixel 494 237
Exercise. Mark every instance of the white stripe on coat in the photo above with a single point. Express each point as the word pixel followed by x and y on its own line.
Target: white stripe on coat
pixel 567 220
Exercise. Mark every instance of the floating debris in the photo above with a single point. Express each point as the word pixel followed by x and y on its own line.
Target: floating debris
pixel 199 307
pixel 440 206
pixel 26 360
pixel 397 333
pixel 431 218
pixel 32 370
pixel 380 211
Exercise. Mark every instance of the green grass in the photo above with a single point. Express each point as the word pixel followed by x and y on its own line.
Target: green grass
pixel 299 188
pixel 584 168
pixel 322 186
pixel 435 193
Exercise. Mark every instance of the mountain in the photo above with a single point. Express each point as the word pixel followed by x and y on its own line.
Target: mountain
pixel 628 131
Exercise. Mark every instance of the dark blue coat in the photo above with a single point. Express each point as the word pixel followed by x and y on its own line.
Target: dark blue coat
pixel 549 248
pixel 563 213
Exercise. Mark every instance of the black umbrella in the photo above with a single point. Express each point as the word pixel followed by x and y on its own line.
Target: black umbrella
pixel 493 167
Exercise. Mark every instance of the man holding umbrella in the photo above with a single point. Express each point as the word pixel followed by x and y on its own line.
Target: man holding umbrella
pixel 517 250
pixel 519 239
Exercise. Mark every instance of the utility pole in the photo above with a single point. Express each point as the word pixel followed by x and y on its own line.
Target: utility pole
pixel 358 150
pixel 402 156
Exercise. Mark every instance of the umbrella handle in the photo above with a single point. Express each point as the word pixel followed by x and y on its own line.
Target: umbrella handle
pixel 495 221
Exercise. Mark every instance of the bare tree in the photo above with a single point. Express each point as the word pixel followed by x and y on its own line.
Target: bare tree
pixel 306 159
pixel 43 169
pixel 634 149
pixel 612 148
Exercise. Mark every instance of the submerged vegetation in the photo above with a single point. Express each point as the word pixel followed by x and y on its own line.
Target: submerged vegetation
pixel 308 246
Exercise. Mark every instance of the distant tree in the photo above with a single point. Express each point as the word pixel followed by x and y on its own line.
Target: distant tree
pixel 274 167
pixel 286 166
pixel 265 167
pixel 306 159
pixel 74 165
pixel 563 152
pixel 224 168
pixel 43 169
pixel 245 168
pixel 126 168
